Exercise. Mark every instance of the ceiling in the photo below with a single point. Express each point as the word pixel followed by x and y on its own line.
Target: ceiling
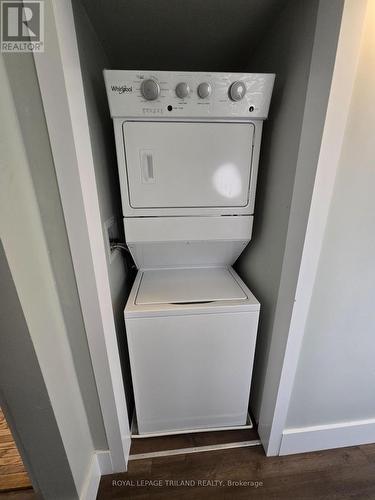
pixel 196 35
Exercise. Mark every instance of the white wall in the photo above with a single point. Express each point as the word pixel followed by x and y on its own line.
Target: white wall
pixel 335 378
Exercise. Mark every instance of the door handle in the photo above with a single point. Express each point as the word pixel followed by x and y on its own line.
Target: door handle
pixel 147 166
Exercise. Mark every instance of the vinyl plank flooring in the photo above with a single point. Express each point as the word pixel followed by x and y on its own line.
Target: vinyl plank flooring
pixel 13 474
pixel 369 452
pixel 153 444
pixel 13 481
pixel 341 474
pixel 222 437
pixel 26 494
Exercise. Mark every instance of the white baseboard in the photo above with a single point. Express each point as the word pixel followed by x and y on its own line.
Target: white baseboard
pixel 126 444
pixel 105 463
pixel 100 464
pixel 323 437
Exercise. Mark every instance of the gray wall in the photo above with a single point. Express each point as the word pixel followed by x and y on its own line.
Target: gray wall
pixel 214 35
pixel 27 100
pixel 93 60
pixel 32 244
pixel 335 379
pixel 25 402
pixel 285 50
pixel 301 49
pixel 277 37
pixel 158 35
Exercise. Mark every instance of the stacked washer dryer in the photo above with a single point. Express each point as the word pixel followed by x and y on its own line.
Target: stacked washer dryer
pixel 188 149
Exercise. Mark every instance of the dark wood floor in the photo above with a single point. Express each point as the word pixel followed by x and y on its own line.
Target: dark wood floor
pixel 147 445
pixel 27 494
pixel 341 474
pixel 346 473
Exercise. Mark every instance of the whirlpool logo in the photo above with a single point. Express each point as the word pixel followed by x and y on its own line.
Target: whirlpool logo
pixel 121 89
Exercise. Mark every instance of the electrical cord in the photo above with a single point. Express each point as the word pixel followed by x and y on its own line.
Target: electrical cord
pixel 121 245
pixel 114 244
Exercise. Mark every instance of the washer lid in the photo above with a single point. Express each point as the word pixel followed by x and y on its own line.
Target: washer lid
pixel 179 286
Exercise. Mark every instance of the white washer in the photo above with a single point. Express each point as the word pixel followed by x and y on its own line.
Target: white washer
pixel 188 148
pixel 191 337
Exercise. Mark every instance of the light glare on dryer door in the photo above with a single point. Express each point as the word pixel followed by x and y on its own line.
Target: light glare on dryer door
pixel 227 180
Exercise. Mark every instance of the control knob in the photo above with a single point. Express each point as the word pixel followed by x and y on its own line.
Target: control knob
pixel 182 90
pixel 150 89
pixel 237 91
pixel 204 90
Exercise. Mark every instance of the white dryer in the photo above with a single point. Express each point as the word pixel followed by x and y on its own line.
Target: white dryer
pixel 188 149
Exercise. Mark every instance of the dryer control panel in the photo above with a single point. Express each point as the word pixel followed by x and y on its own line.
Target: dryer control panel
pixel 188 95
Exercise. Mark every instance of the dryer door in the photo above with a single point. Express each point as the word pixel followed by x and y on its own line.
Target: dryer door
pixel 185 165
